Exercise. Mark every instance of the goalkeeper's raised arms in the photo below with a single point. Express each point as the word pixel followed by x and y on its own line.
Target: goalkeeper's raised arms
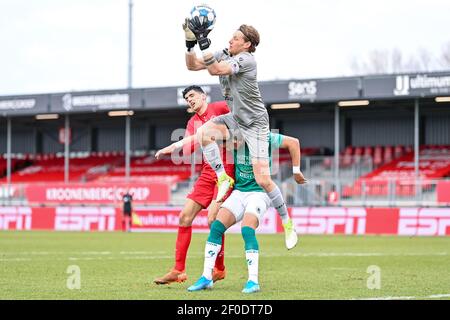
pixel 201 31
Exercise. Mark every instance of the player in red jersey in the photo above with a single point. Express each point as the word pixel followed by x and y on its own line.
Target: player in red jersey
pixel 205 188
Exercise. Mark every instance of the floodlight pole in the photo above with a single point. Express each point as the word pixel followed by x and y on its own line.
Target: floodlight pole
pixel 336 145
pixel 416 139
pixel 130 77
pixel 66 148
pixel 8 152
pixel 130 43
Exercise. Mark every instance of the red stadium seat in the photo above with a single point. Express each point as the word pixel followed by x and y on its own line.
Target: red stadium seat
pixel 368 151
pixel 399 151
pixel 348 150
pixel 400 170
pixel 388 154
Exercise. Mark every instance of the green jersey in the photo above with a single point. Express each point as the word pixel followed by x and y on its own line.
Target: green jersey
pixel 243 169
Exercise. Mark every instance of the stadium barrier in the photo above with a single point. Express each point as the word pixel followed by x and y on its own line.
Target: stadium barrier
pixel 379 193
pixel 54 194
pixel 318 192
pixel 308 220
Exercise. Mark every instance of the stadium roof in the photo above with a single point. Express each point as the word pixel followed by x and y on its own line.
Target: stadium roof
pixel 379 87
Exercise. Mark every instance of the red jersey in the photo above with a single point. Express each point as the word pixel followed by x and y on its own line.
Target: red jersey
pixel 213 110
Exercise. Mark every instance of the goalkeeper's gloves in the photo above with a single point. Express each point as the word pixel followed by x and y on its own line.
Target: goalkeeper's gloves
pixel 200 31
pixel 191 40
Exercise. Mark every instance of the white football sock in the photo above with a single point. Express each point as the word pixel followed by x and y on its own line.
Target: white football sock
pixel 212 156
pixel 278 202
pixel 211 251
pixel 252 257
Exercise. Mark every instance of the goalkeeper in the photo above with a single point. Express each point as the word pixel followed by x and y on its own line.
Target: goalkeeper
pixel 247 203
pixel 236 69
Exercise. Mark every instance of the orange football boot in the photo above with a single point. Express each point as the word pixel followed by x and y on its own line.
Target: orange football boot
pixel 172 276
pixel 218 274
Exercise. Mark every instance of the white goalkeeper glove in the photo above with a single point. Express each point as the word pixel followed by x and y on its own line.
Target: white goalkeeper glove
pixel 191 40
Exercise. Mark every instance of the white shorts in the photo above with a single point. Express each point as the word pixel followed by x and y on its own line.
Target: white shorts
pixel 239 202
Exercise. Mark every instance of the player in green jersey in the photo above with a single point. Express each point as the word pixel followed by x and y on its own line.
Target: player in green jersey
pixel 247 204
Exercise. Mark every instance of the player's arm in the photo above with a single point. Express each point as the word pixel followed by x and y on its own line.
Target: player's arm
pixel 201 31
pixel 186 141
pixel 216 68
pixel 193 63
pixel 293 146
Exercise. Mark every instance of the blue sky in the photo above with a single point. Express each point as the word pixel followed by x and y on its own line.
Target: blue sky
pixel 58 46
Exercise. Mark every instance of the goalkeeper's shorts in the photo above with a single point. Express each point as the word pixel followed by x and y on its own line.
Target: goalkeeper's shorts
pixel 256 134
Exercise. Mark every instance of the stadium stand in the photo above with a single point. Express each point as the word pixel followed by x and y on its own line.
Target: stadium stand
pixel 16 164
pixel 148 169
pixel 97 167
pixel 50 167
pixel 397 165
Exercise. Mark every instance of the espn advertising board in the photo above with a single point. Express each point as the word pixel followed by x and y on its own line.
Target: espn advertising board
pixel 307 220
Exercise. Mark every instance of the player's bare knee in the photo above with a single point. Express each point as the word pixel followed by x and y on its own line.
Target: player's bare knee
pixel 185 219
pixel 210 221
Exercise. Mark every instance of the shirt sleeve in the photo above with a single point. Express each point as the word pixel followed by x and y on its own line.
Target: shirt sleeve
pixel 243 62
pixel 221 54
pixel 276 140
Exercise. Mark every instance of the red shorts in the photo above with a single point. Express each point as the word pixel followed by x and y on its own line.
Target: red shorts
pixel 205 188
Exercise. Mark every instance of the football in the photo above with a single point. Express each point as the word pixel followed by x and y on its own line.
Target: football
pixel 206 15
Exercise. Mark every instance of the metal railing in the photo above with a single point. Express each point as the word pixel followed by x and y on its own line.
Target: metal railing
pixel 323 167
pixel 390 193
pixel 324 187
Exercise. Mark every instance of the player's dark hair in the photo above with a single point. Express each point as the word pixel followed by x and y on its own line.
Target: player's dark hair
pixel 250 34
pixel 193 87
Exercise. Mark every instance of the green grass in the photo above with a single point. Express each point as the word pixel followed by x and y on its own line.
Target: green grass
pixel 33 265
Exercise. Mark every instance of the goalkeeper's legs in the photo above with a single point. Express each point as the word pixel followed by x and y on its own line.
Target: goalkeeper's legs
pixel 126 223
pixel 184 235
pixel 207 136
pixel 264 180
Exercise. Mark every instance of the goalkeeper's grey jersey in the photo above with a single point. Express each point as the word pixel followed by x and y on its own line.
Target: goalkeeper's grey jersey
pixel 241 90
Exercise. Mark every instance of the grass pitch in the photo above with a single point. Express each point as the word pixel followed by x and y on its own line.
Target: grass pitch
pixel 39 265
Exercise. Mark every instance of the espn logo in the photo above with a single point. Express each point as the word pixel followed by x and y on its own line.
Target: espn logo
pixel 424 222
pixel 329 220
pixel 85 219
pixel 15 218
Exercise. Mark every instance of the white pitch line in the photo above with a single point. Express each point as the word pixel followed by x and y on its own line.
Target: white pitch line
pixel 433 296
pixel 437 296
pixel 16 259
pixel 129 255
pixel 355 254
